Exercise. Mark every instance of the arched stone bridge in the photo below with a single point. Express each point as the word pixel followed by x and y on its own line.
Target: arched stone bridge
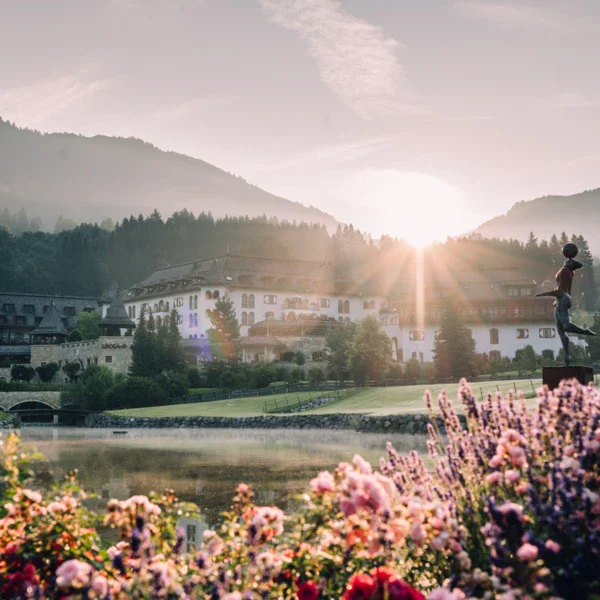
pixel 11 400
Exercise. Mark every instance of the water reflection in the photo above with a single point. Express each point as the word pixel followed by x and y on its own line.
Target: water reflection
pixel 202 465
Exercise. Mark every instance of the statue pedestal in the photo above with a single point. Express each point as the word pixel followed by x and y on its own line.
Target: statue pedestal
pixel 552 376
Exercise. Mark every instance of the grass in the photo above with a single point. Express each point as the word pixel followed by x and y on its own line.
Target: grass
pixel 198 391
pixel 374 401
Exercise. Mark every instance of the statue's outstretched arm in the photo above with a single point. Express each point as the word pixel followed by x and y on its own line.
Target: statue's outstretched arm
pixel 557 293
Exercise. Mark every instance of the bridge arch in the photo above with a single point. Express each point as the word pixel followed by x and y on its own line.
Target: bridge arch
pixel 33 411
pixel 31 404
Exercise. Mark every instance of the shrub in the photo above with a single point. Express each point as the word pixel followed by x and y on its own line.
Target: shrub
pixel 174 385
pixel 195 379
pixel 90 389
pixel 316 375
pixel 71 370
pixel 22 373
pixel 47 372
pixel 134 392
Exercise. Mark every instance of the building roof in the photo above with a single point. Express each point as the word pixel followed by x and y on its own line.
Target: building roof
pixel 24 311
pixel 51 323
pixel 301 276
pixel 116 314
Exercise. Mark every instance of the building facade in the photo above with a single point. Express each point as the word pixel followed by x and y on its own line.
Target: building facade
pixel 21 314
pixel 284 306
pixel 299 299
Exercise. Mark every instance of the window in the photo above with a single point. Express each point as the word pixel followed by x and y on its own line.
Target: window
pixel 269 316
pixel 216 295
pixel 494 336
pixel 178 302
pixel 417 356
pixel 244 318
pixel 134 311
pixel 366 304
pixel 347 307
pixel 191 302
pixel 385 321
pixel 129 311
pixel 340 306
pixel 394 349
pixel 179 319
pixel 547 332
pixel 416 336
pixel 196 302
pixel 167 308
pixel 270 299
pixel 250 319
pixel 522 334
pixel 244 300
pixel 394 321
pixel 158 321
pixel 195 319
pixel 525 291
pixel 513 291
pixel 251 301
pixel 208 295
pixel 291 316
pixel 324 302
pixel 108 359
pixel 191 320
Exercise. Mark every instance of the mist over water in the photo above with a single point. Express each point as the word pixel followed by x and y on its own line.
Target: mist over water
pixel 202 465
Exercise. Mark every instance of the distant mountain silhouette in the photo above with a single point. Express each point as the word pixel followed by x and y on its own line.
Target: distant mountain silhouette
pixel 579 213
pixel 91 178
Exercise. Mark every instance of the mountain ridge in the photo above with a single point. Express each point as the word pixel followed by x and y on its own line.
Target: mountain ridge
pixel 547 215
pixel 90 178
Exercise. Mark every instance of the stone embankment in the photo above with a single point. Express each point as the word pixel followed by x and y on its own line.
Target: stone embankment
pixel 406 423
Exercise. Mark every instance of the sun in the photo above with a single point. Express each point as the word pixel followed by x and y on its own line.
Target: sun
pixel 415 206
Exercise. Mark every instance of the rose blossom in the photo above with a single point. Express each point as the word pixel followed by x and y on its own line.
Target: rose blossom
pixel 323 482
pixel 100 585
pixel 512 476
pixel 73 573
pixel 494 478
pixel 56 507
pixel 552 546
pixel 527 552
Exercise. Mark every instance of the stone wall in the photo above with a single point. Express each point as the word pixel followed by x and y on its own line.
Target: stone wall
pixel 407 423
pixel 5 374
pixel 111 352
pixel 10 399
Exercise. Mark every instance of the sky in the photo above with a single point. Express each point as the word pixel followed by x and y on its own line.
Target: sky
pixel 398 116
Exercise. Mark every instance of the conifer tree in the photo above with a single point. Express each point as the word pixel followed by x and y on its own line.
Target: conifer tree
pixel 142 348
pixel 454 348
pixel 225 330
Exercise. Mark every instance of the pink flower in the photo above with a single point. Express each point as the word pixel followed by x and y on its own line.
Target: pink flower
pixel 552 546
pixel 495 461
pixel 527 552
pixel 494 478
pixel 361 465
pixel 418 533
pixel 33 496
pixel 323 482
pixel 512 476
pixel 56 507
pixel 73 573
pixel 100 585
pixel 242 489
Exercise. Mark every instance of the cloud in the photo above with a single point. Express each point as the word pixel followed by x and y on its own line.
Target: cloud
pixel 187 107
pixel 330 155
pixel 571 100
pixel 36 103
pixel 511 15
pixel 356 61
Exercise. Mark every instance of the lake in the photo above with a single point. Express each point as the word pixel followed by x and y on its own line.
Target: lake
pixel 202 465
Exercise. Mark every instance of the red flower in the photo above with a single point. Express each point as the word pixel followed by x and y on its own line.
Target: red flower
pixel 307 591
pixel 400 590
pixel 360 587
pixel 19 581
pixel 383 575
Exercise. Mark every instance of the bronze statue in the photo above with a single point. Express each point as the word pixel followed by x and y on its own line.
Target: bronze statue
pixel 562 293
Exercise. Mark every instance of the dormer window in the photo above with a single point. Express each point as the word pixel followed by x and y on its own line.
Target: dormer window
pixel 8 307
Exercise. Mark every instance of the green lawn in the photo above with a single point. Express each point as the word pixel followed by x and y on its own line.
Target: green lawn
pixel 375 401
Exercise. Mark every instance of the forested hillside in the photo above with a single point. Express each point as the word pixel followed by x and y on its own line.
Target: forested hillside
pixel 85 260
pixel 577 213
pixel 90 179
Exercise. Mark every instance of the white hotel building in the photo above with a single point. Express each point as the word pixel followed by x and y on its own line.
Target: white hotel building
pixel 288 305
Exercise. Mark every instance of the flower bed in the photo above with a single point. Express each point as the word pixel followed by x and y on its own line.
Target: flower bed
pixel 510 510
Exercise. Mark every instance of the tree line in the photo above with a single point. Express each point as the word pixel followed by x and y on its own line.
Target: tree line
pixel 86 259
